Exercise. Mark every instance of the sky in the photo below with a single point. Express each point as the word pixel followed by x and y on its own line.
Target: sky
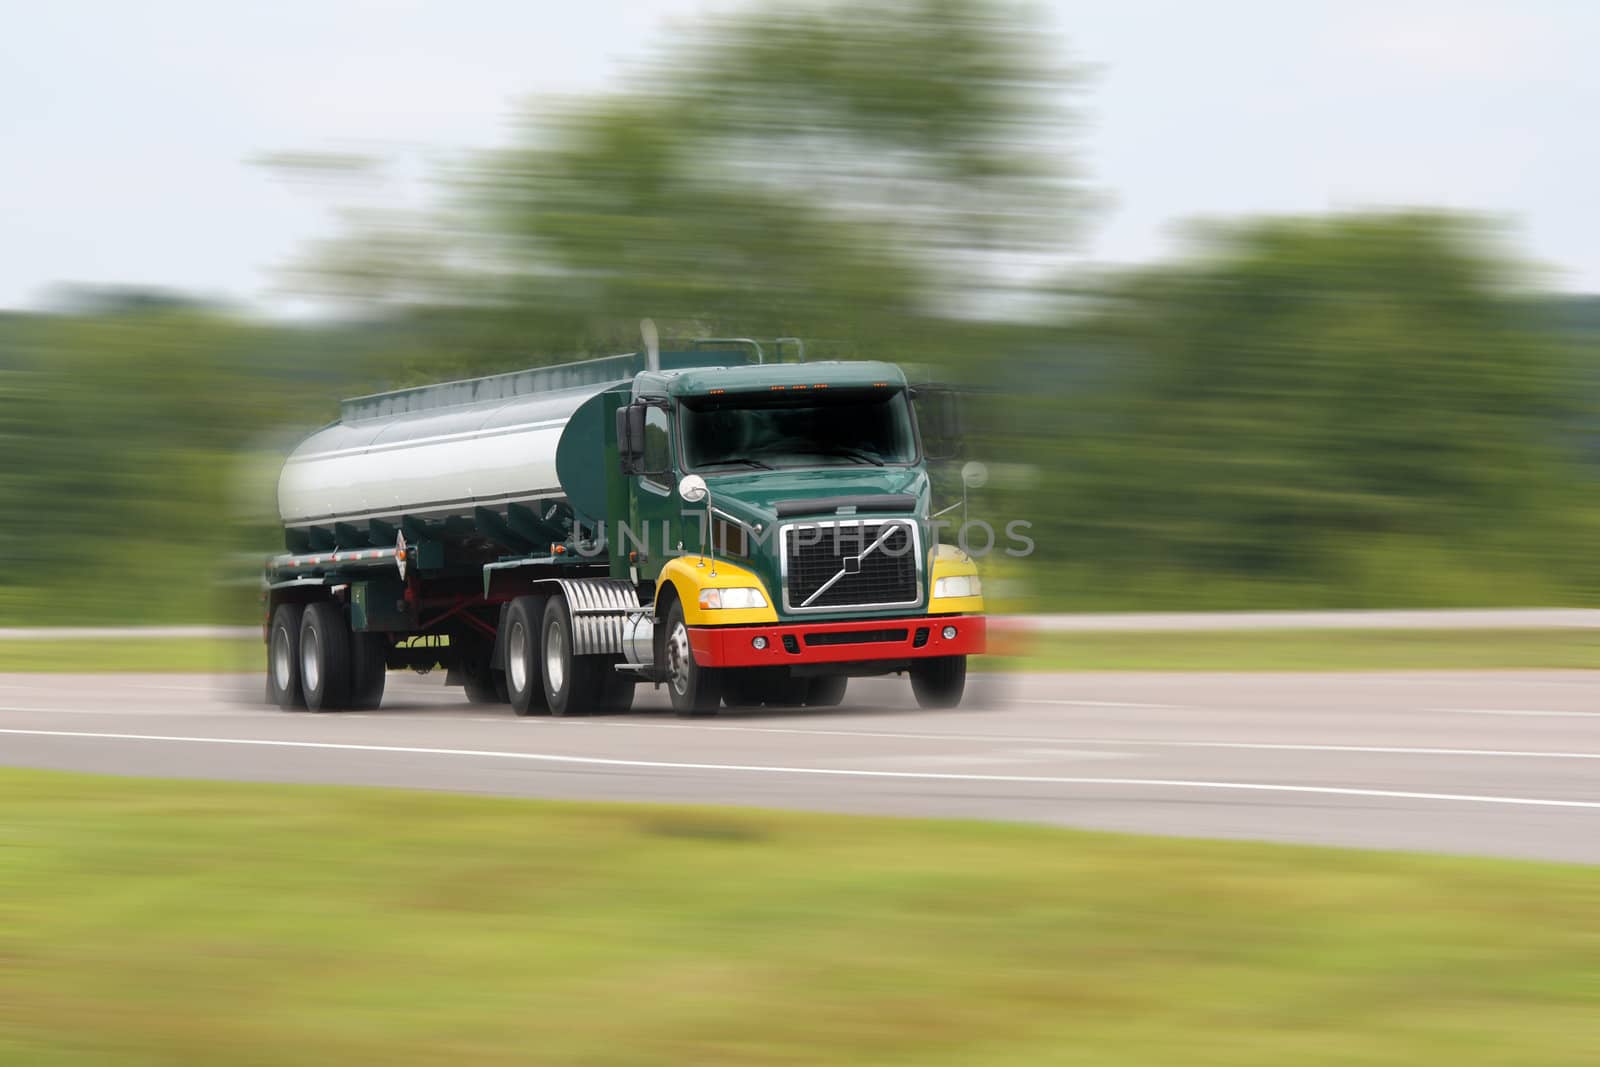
pixel 132 133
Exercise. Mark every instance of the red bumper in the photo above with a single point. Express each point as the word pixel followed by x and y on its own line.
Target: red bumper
pixel 837 642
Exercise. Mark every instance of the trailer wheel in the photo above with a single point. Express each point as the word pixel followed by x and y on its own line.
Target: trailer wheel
pixel 939 681
pixel 524 685
pixel 483 684
pixel 368 670
pixel 325 657
pixel 695 690
pixel 826 690
pixel 283 658
pixel 573 685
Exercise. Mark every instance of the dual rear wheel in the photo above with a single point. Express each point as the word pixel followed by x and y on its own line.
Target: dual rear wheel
pixel 315 661
pixel 543 672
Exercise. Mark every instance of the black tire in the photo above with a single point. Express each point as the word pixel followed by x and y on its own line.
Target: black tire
pixel 368 670
pixel 482 683
pixel 617 687
pixel 694 690
pixel 939 681
pixel 283 658
pixel 573 685
pixel 325 657
pixel 744 687
pixel 523 678
pixel 826 691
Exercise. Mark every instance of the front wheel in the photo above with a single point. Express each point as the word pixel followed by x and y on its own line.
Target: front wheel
pixel 939 681
pixel 695 690
pixel 826 691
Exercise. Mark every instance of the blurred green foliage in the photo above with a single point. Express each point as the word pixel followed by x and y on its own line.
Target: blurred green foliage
pixel 1356 410
pixel 142 438
pixel 1345 411
pixel 849 173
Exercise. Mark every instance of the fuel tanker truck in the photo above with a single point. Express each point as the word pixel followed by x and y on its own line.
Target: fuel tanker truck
pixel 744 530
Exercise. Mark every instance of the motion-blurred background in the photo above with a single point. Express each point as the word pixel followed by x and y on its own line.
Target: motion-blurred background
pixel 1265 305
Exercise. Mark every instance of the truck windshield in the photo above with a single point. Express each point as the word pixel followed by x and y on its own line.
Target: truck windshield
pixel 825 427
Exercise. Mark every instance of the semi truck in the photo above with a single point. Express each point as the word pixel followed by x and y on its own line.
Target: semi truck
pixel 725 519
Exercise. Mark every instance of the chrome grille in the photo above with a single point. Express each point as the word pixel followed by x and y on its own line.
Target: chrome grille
pixel 850 565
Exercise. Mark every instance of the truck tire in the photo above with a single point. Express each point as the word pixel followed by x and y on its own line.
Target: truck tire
pixel 826 691
pixel 939 681
pixel 695 690
pixel 481 686
pixel 524 684
pixel 325 657
pixel 482 683
pixel 368 670
pixel 744 687
pixel 573 685
pixel 283 658
pixel 617 688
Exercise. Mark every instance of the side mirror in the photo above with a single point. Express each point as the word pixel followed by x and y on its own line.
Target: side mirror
pixel 974 475
pixel 693 488
pixel 939 417
pixel 630 438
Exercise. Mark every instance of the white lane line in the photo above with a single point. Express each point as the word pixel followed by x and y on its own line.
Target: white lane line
pixel 1520 711
pixel 843 772
pixel 893 735
pixel 160 711
pixel 1091 703
pixel 1265 746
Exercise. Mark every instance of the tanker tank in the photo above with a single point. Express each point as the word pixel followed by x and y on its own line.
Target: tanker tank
pixel 439 452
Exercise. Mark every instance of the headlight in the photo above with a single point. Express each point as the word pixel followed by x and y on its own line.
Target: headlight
pixel 957 585
pixel 741 597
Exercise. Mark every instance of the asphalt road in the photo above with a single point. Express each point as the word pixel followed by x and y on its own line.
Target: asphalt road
pixel 1492 763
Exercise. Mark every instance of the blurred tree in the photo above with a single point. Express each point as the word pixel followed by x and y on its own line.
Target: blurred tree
pixel 124 426
pixel 1355 408
pixel 845 171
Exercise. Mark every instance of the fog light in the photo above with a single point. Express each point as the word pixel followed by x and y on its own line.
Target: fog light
pixel 948 633
pixel 758 643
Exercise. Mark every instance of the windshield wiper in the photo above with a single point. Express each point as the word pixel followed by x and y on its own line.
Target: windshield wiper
pixel 859 455
pixel 754 464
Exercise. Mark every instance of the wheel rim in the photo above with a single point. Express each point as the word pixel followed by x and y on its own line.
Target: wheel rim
pixel 555 652
pixel 678 659
pixel 517 665
pixel 282 662
pixel 311 659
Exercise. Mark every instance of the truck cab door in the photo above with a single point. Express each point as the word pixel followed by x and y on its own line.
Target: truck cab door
pixel 654 512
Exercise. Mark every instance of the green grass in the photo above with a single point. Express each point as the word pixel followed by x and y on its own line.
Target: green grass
pixel 1238 650
pixel 149 922
pixel 1305 650
pixel 133 654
